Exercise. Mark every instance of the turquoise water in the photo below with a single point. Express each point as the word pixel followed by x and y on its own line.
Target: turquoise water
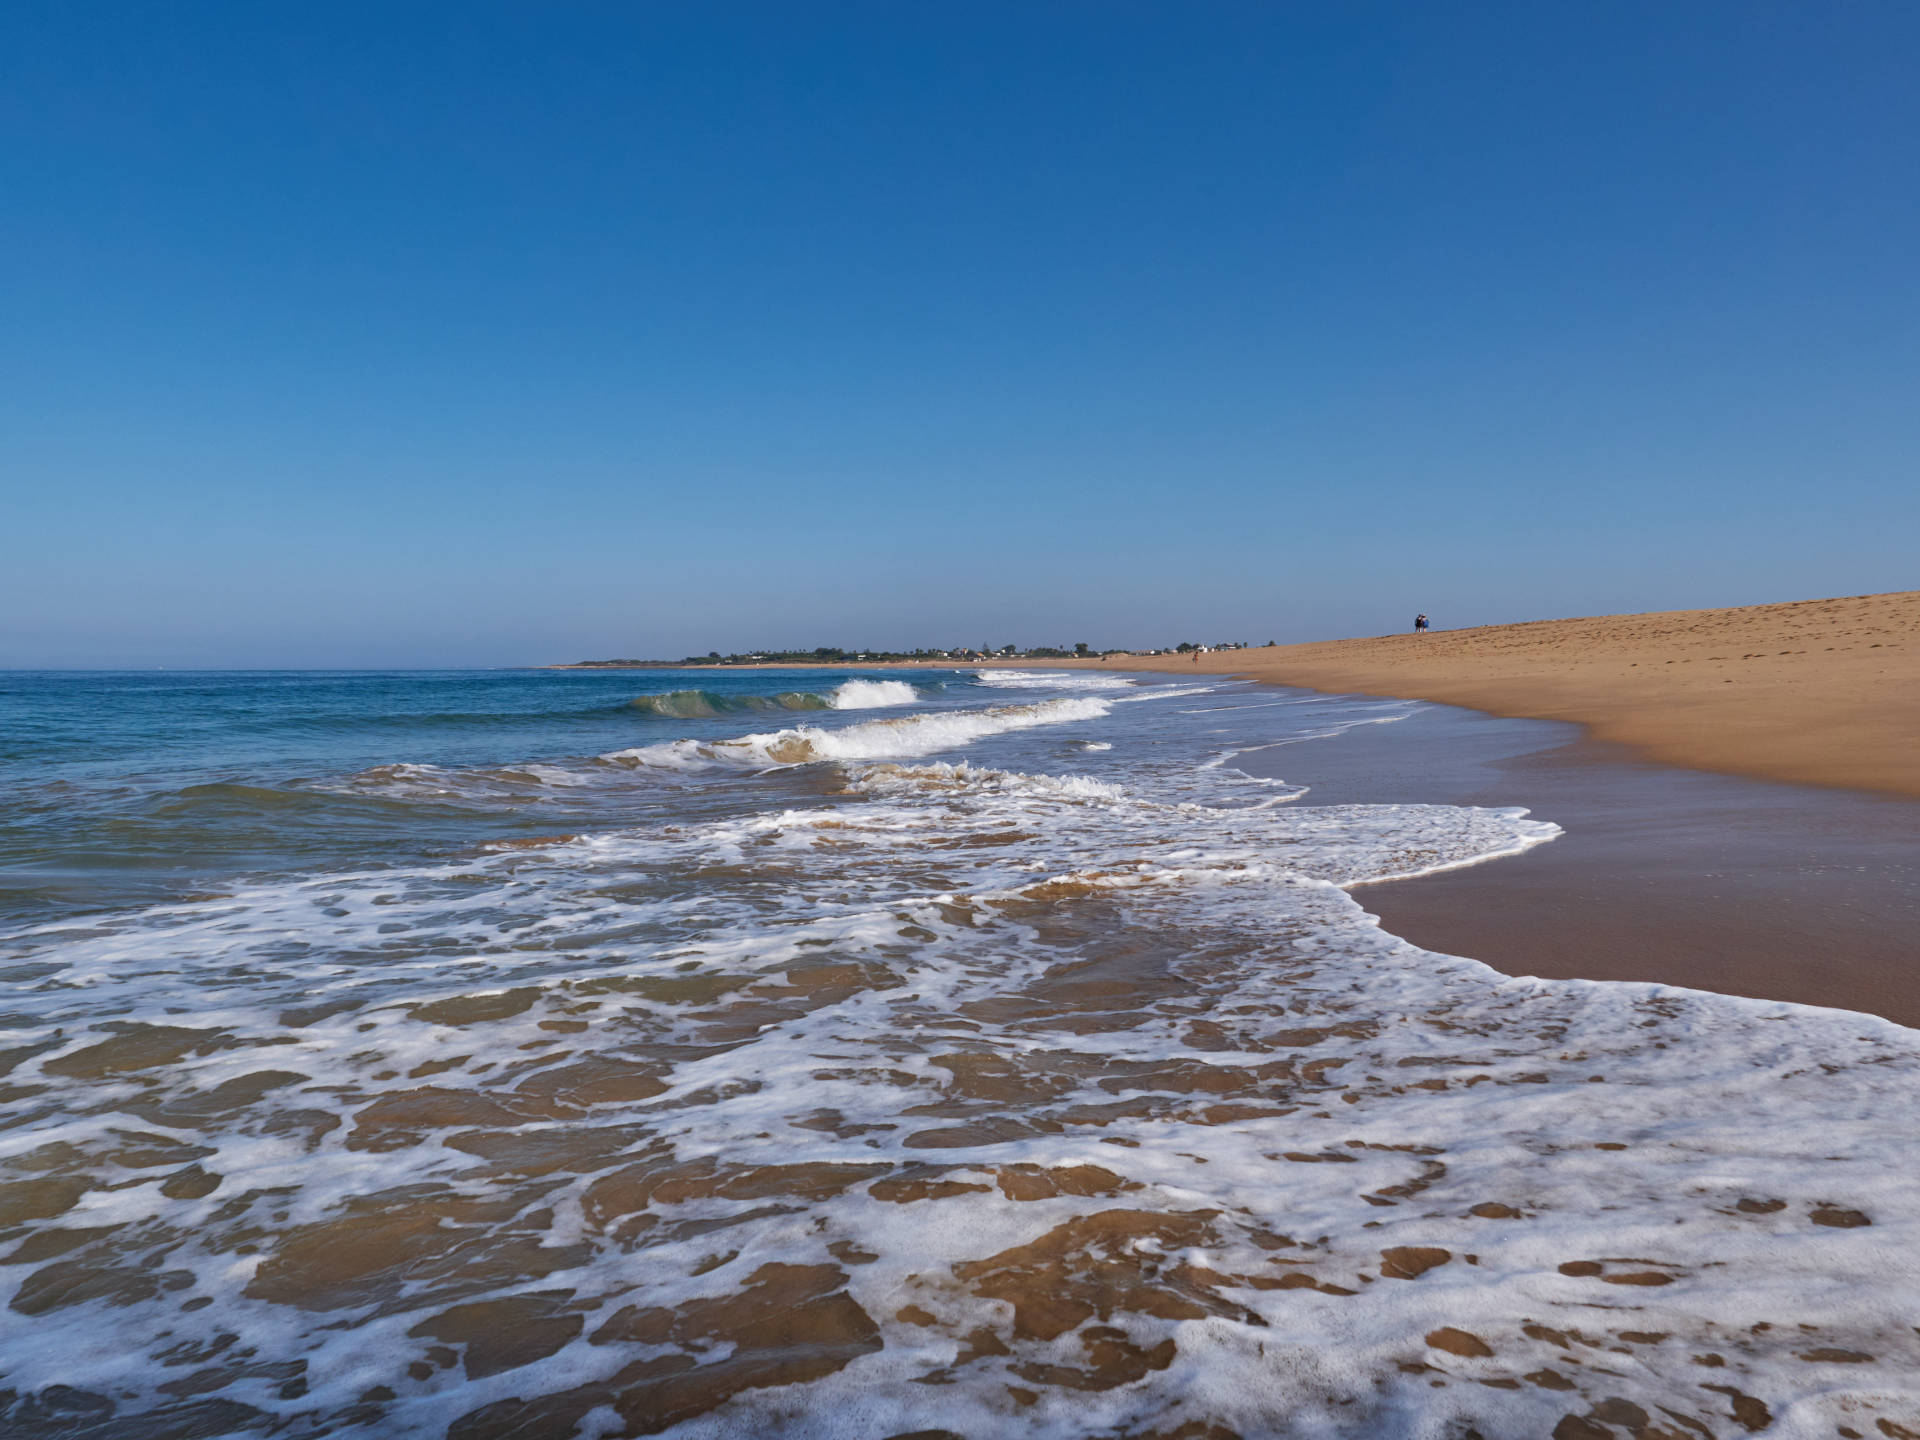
pixel 128 788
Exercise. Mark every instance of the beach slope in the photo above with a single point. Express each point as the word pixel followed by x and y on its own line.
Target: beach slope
pixel 1816 692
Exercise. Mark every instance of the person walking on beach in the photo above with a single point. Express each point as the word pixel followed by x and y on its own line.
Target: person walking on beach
pixel 1420 622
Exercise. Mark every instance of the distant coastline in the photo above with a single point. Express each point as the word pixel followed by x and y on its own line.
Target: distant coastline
pixel 833 655
pixel 1812 692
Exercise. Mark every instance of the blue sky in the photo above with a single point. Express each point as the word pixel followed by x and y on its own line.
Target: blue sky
pixel 430 334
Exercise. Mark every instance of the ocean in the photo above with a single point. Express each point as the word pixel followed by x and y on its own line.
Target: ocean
pixel 869 1054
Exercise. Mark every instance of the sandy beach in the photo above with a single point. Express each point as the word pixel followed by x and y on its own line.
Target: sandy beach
pixel 1682 877
pixel 1817 692
pixel 1782 891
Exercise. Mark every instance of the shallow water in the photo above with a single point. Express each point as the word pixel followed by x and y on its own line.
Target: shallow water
pixel 493 1055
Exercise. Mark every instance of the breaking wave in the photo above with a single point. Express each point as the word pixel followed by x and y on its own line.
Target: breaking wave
pixel 873 694
pixel 906 737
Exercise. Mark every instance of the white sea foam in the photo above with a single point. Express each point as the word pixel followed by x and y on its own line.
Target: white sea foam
pixel 1088 1104
pixel 873 694
pixel 1167 692
pixel 1378 715
pixel 1051 680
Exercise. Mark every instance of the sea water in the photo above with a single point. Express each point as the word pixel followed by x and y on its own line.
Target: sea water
pixel 736 1053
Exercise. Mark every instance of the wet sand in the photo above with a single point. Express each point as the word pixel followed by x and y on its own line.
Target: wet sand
pixel 990 1103
pixel 1678 876
pixel 1807 893
pixel 1818 692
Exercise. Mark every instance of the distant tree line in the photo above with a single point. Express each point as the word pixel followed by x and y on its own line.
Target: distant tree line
pixel 837 655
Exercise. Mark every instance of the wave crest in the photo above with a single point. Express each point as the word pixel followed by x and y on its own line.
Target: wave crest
pixel 905 737
pixel 873 694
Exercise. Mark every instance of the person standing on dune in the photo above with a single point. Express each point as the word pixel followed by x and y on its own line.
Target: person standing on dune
pixel 1420 622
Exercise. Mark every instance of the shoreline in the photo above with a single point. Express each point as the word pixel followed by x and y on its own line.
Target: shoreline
pixel 1679 877
pixel 1699 877
pixel 934 1055
pixel 1810 692
pixel 1813 692
pixel 1725 876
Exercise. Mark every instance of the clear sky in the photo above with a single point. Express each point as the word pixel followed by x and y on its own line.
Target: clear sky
pixel 395 334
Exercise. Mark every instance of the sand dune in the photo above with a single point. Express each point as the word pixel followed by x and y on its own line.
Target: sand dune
pixel 1819 692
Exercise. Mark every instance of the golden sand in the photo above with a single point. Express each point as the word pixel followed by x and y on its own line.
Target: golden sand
pixel 1817 692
